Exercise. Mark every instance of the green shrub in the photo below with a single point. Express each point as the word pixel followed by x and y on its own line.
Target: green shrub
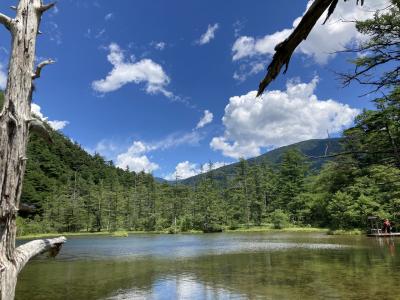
pixel 211 228
pixel 121 233
pixel 149 223
pixel 161 224
pixel 172 230
pixel 233 225
pixel 279 219
pixel 186 223
pixel 32 226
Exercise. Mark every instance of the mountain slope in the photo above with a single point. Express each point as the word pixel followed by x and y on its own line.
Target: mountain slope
pixel 53 169
pixel 316 147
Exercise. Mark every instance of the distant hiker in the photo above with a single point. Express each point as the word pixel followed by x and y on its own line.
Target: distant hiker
pixel 387 226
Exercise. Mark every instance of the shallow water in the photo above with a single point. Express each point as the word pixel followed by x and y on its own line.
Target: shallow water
pixel 217 266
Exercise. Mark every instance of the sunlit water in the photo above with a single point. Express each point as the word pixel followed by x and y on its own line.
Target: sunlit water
pixel 217 266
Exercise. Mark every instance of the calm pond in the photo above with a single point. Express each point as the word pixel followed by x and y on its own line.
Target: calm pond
pixel 217 266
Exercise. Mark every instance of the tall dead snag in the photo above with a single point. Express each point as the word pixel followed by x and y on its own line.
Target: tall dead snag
pixel 15 123
pixel 285 49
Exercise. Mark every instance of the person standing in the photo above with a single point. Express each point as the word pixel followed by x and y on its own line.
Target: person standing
pixel 387 226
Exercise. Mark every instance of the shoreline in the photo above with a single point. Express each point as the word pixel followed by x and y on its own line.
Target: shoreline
pixel 252 229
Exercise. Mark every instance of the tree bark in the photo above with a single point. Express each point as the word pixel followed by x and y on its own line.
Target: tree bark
pixel 15 123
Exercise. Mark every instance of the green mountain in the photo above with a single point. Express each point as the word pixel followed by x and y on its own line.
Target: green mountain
pixel 54 169
pixel 310 148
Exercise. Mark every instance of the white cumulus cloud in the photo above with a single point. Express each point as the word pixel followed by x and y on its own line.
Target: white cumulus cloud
pixel 279 118
pixel 206 119
pixel 106 148
pixel 245 46
pixel 136 159
pixel 184 170
pixel 124 72
pixel 323 40
pixel 55 124
pixel 37 110
pixel 208 35
pixel 187 169
pixel 58 125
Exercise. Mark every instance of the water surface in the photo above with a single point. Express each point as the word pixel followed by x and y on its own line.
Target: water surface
pixel 217 266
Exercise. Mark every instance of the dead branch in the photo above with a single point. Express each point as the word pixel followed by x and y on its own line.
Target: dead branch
pixel 285 49
pixel 6 21
pixel 40 66
pixel 331 9
pixel 46 7
pixel 26 251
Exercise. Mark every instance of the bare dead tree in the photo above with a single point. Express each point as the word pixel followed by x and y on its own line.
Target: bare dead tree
pixel 285 49
pixel 16 122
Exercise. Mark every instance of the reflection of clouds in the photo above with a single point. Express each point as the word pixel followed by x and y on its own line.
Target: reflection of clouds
pixel 130 294
pixel 187 246
pixel 185 287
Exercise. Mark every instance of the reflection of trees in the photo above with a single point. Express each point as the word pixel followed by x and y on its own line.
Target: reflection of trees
pixel 320 274
pixel 348 273
pixel 85 279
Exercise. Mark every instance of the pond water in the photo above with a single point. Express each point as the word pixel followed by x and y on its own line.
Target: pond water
pixel 217 266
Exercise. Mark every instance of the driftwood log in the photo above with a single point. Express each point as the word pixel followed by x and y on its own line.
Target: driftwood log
pixel 15 123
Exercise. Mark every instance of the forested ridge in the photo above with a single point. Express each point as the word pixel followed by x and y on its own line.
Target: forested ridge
pixel 311 148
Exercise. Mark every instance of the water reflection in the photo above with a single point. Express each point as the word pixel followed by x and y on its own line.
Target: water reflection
pixel 387 244
pixel 240 266
pixel 184 246
pixel 181 287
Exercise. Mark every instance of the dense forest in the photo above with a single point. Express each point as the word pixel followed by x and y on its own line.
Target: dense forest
pixel 74 191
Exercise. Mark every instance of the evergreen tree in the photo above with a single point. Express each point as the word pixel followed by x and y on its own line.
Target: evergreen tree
pixel 292 173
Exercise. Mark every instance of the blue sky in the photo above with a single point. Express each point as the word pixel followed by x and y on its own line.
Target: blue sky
pixel 133 79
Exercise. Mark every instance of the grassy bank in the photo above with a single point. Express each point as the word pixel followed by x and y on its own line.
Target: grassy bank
pixel 354 231
pixel 82 234
pixel 270 228
pixel 120 233
pixel 244 229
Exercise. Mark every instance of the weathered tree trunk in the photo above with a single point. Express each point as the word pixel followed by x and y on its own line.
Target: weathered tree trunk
pixel 15 123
